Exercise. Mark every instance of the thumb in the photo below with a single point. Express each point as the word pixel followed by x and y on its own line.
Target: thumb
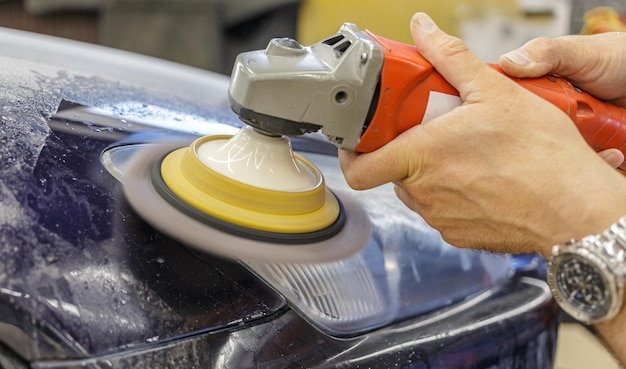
pixel 578 58
pixel 593 63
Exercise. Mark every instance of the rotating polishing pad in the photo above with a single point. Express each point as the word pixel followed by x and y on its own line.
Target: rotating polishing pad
pixel 247 196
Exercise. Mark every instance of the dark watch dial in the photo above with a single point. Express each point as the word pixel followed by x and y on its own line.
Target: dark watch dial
pixel 583 286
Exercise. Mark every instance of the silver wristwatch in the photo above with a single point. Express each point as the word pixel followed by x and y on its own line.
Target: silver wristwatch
pixel 587 276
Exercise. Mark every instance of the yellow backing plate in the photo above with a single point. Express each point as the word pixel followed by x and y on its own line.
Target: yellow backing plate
pixel 238 203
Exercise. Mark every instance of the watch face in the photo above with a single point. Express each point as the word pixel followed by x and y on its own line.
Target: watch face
pixel 583 286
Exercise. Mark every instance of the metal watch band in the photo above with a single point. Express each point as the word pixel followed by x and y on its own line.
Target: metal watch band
pixel 613 244
pixel 575 286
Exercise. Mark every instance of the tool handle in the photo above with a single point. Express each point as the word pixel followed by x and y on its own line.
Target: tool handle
pixel 412 92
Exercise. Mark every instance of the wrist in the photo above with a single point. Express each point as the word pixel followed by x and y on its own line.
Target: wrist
pixel 613 335
pixel 590 207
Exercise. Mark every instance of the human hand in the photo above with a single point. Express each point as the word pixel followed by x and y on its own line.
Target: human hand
pixel 595 64
pixel 506 171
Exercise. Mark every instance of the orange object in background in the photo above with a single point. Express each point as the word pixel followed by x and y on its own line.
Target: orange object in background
pixel 602 19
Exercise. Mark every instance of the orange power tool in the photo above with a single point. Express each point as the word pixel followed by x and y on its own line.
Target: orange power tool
pixel 363 90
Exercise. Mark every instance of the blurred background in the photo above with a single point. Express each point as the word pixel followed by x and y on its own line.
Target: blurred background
pixel 209 33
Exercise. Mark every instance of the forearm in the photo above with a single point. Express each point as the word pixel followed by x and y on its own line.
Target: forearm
pixel 613 334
